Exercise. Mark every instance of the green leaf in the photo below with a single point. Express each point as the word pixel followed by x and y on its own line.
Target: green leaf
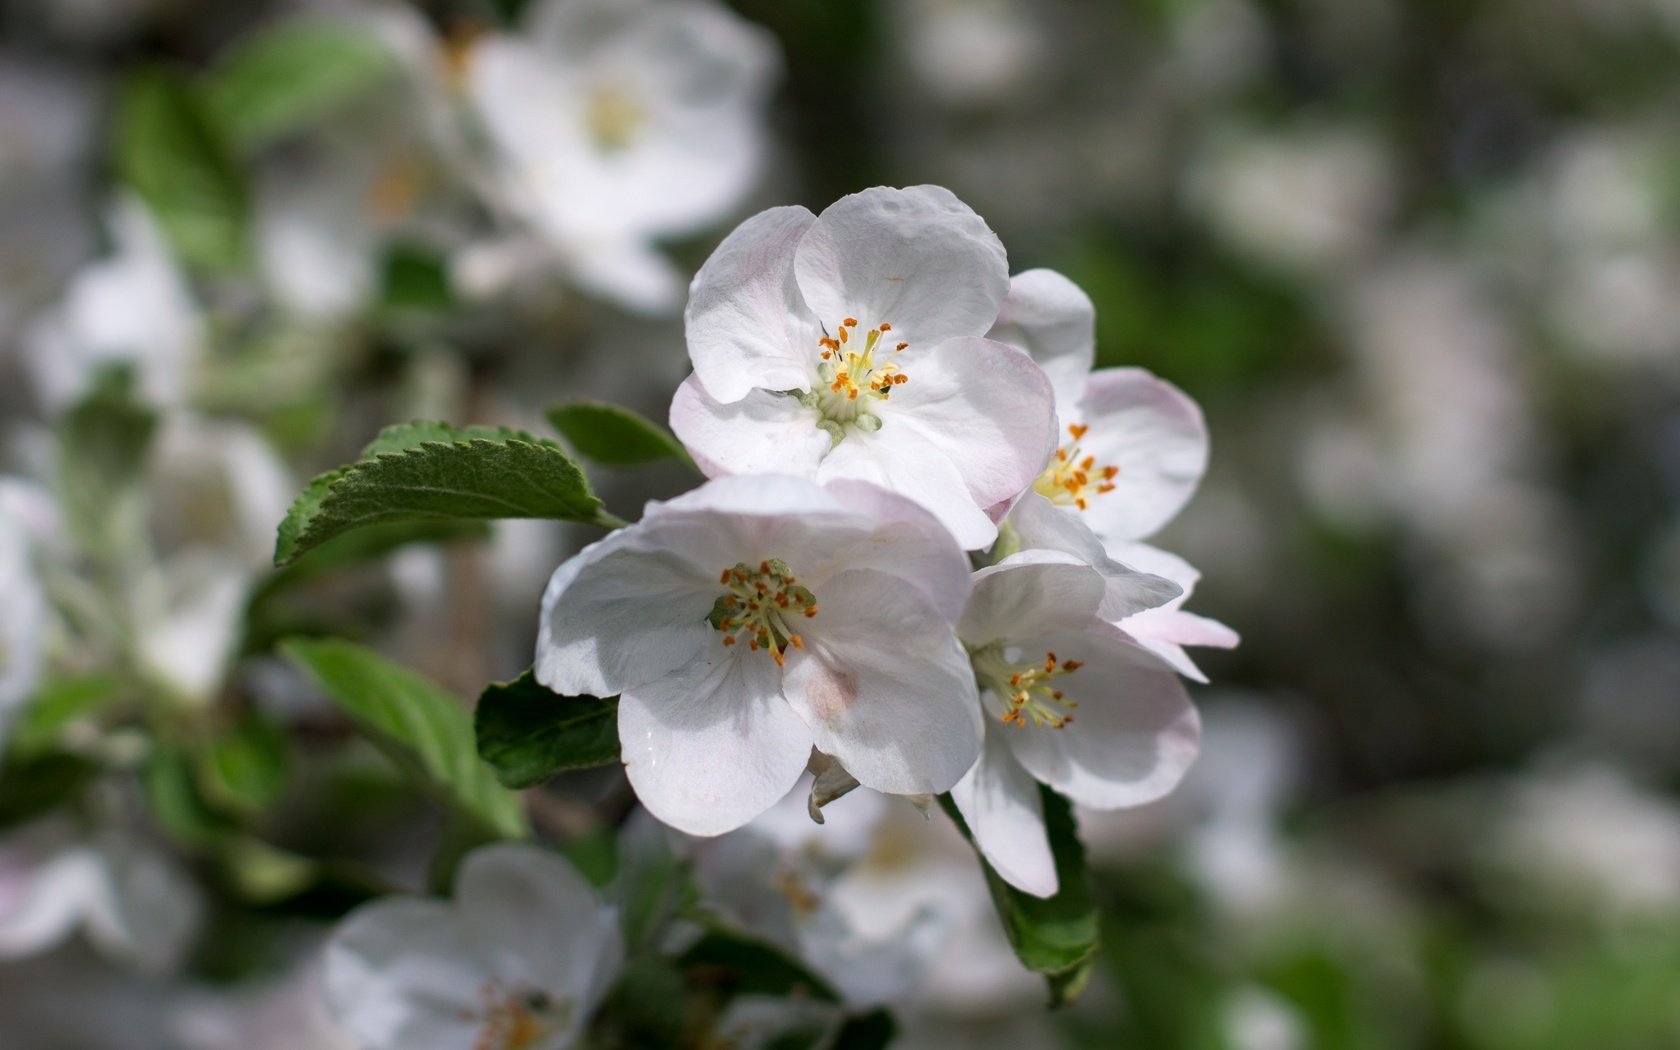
pixel 103 444
pixel 35 784
pixel 56 707
pixel 1056 936
pixel 528 733
pixel 613 436
pixel 247 767
pixel 289 76
pixel 736 964
pixel 172 154
pixel 435 472
pixel 419 725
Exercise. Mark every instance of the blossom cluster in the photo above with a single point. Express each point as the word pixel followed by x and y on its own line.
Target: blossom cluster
pixel 919 560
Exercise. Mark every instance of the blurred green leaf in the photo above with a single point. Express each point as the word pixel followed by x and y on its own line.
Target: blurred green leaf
pixel 247 766
pixel 59 704
pixel 176 800
pixel 871 1031
pixel 31 785
pixel 416 278
pixel 732 963
pixel 431 472
pixel 103 444
pixel 528 733
pixel 613 436
pixel 1056 936
pixel 172 154
pixel 286 77
pixel 423 728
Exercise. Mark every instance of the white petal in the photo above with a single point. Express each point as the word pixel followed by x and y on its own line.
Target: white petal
pixel 1052 320
pixel 1167 629
pixel 623 611
pixel 149 909
pixel 1134 734
pixel 917 258
pixel 885 686
pixel 913 467
pixel 626 270
pixel 1000 803
pixel 746 323
pixel 713 745
pixel 399 975
pixel 763 432
pixel 1037 524
pixel 986 407
pixel 1029 594
pixel 908 542
pixel 535 920
pixel 44 901
pixel 1154 433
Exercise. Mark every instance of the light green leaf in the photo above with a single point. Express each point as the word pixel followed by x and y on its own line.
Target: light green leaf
pixel 434 472
pixel 613 436
pixel 423 728
pixel 1055 936
pixel 528 733
pixel 247 767
pixel 103 444
pixel 286 77
pixel 173 155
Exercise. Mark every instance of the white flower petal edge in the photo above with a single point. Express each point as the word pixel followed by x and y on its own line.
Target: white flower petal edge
pixel 1034 523
pixel 1154 437
pixel 1167 629
pixel 519 960
pixel 1000 803
pixel 1053 321
pixel 758 615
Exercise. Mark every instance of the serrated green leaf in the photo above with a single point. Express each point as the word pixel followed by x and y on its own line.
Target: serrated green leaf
pixel 174 156
pixel 420 472
pixel 419 725
pixel 528 733
pixel 288 76
pixel 614 436
pixel 1056 936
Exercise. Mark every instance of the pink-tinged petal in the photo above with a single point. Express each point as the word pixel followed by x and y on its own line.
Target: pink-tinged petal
pixel 623 611
pixel 1129 588
pixel 747 326
pixel 1052 320
pixel 512 898
pixel 714 744
pixel 1167 629
pixel 1155 435
pixel 1028 594
pixel 399 974
pixel 1133 735
pixel 43 907
pixel 762 432
pixel 910 465
pixel 907 542
pixel 999 801
pixel 885 686
pixel 986 406
pixel 917 258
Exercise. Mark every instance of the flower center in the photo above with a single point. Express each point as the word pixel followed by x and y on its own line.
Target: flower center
pixel 1026 691
pixel 517 1018
pixel 613 117
pixel 853 379
pixel 1072 478
pixel 758 606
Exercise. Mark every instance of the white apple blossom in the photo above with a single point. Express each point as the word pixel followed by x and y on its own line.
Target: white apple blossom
pixel 1071 701
pixel 134 904
pixel 1134 452
pixel 131 309
pixel 756 617
pixel 847 345
pixel 517 961
pixel 613 123
pixel 23 614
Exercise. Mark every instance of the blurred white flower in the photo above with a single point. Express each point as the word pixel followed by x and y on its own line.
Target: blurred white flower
pixel 1258 1019
pixel 279 1013
pixel 972 52
pixel 1588 837
pixel 517 961
pixel 754 617
pixel 787 378
pixel 23 614
pixel 132 309
pixel 1097 717
pixel 130 899
pixel 613 123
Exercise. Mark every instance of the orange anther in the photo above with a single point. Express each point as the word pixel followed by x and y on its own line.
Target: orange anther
pixel 850 322
pixel 885 327
pixel 901 346
pixel 1077 430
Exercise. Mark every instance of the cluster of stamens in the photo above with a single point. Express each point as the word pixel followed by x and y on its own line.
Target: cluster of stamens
pixel 1028 691
pixel 1073 477
pixel 848 365
pixel 759 607
pixel 516 1018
